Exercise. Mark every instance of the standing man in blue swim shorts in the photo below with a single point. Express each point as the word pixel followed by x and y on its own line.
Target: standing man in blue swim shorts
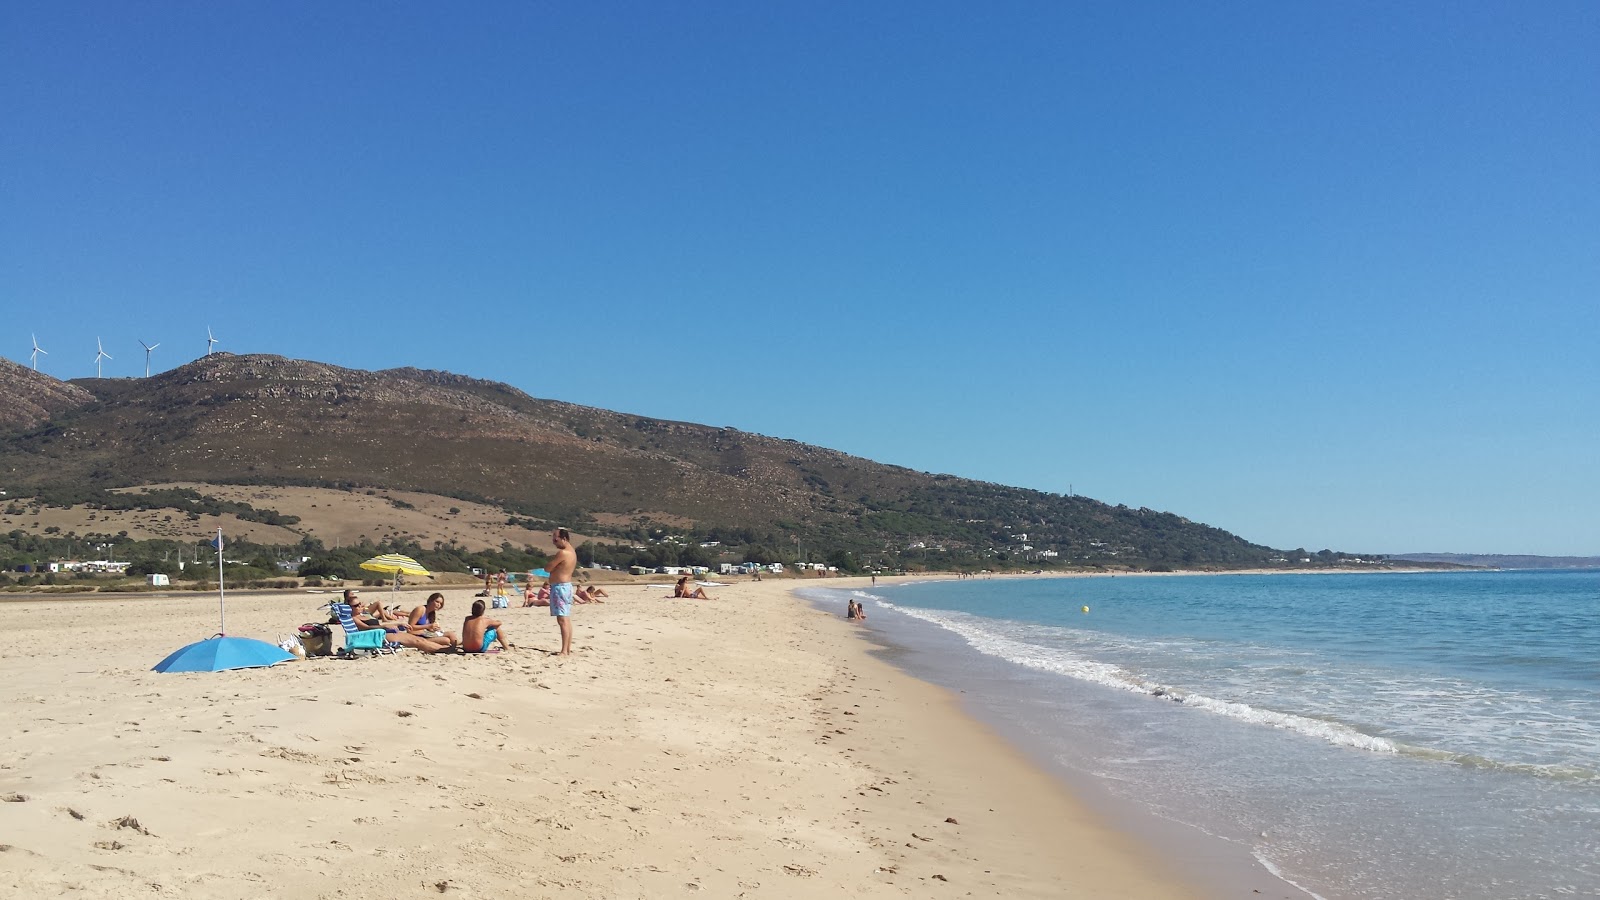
pixel 561 569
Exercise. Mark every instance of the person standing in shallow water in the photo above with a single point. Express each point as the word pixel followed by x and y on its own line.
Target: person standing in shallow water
pixel 561 569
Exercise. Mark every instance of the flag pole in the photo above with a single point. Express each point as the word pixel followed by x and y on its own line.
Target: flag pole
pixel 222 618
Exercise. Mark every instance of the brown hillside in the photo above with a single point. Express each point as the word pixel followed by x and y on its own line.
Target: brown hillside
pixel 28 398
pixel 271 421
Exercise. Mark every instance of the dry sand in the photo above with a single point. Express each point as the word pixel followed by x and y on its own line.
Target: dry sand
pixel 743 747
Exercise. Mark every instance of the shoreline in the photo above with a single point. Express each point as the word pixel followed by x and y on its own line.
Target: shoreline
pixel 1208 865
pixel 667 580
pixel 748 745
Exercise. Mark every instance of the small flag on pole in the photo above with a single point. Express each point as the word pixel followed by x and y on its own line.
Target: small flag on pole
pixel 216 543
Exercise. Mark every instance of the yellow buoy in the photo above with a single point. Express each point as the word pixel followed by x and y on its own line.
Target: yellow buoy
pixel 1086 609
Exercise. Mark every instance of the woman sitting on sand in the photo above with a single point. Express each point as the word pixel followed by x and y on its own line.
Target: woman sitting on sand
pixel 425 621
pixel 682 590
pixel 586 595
pixel 540 597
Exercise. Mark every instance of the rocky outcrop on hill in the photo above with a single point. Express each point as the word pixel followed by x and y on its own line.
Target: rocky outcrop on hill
pixel 28 398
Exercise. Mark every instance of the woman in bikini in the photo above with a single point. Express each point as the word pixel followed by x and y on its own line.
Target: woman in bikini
pixel 682 590
pixel 425 622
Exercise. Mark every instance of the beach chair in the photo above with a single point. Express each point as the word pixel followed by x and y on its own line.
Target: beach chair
pixel 371 640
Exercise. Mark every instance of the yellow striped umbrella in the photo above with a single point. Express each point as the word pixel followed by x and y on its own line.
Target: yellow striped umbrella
pixel 395 564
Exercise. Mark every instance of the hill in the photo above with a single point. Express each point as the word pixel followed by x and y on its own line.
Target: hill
pixel 268 420
pixel 28 398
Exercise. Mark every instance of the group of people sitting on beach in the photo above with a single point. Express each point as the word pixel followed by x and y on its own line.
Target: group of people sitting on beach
pixel 580 594
pixel 854 610
pixel 422 630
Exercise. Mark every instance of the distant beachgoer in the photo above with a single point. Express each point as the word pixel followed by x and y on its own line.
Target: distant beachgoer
pixel 850 609
pixel 596 590
pixel 479 631
pixel 586 595
pixel 425 621
pixel 561 569
pixel 861 613
pixel 542 596
pixel 682 590
pixel 874 579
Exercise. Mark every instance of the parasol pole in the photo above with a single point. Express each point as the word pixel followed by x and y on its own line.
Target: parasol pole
pixel 222 619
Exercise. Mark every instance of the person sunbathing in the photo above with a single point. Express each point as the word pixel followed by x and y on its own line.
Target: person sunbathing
pixel 372 612
pixel 402 637
pixel 597 592
pixel 682 590
pixel 425 621
pixel 540 597
pixel 478 631
pixel 586 595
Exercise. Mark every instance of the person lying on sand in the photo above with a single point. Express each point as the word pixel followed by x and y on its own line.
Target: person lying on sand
pixel 478 631
pixel 596 591
pixel 585 595
pixel 682 590
pixel 425 621
pixel 372 612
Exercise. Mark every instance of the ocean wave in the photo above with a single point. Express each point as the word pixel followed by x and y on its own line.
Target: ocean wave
pixel 1062 662
pixel 1553 771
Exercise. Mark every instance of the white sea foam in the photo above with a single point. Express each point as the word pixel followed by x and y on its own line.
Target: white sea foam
pixel 1059 661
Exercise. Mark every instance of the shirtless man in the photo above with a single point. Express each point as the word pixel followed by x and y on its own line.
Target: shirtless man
pixel 374 611
pixel 561 569
pixel 479 631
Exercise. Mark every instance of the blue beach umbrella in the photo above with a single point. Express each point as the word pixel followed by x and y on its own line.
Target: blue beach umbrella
pixel 219 653
pixel 539 573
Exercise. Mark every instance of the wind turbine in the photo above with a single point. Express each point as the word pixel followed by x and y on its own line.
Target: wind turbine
pixel 100 355
pixel 210 339
pixel 36 351
pixel 147 349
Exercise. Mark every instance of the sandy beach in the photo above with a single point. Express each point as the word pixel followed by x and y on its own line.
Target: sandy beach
pixel 748 746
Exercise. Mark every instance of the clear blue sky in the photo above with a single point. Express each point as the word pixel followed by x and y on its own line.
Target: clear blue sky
pixel 1323 275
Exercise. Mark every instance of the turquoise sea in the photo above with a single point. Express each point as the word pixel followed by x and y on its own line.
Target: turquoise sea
pixel 1430 735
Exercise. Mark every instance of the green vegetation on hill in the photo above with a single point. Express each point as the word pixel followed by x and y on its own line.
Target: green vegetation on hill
pixel 182 499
